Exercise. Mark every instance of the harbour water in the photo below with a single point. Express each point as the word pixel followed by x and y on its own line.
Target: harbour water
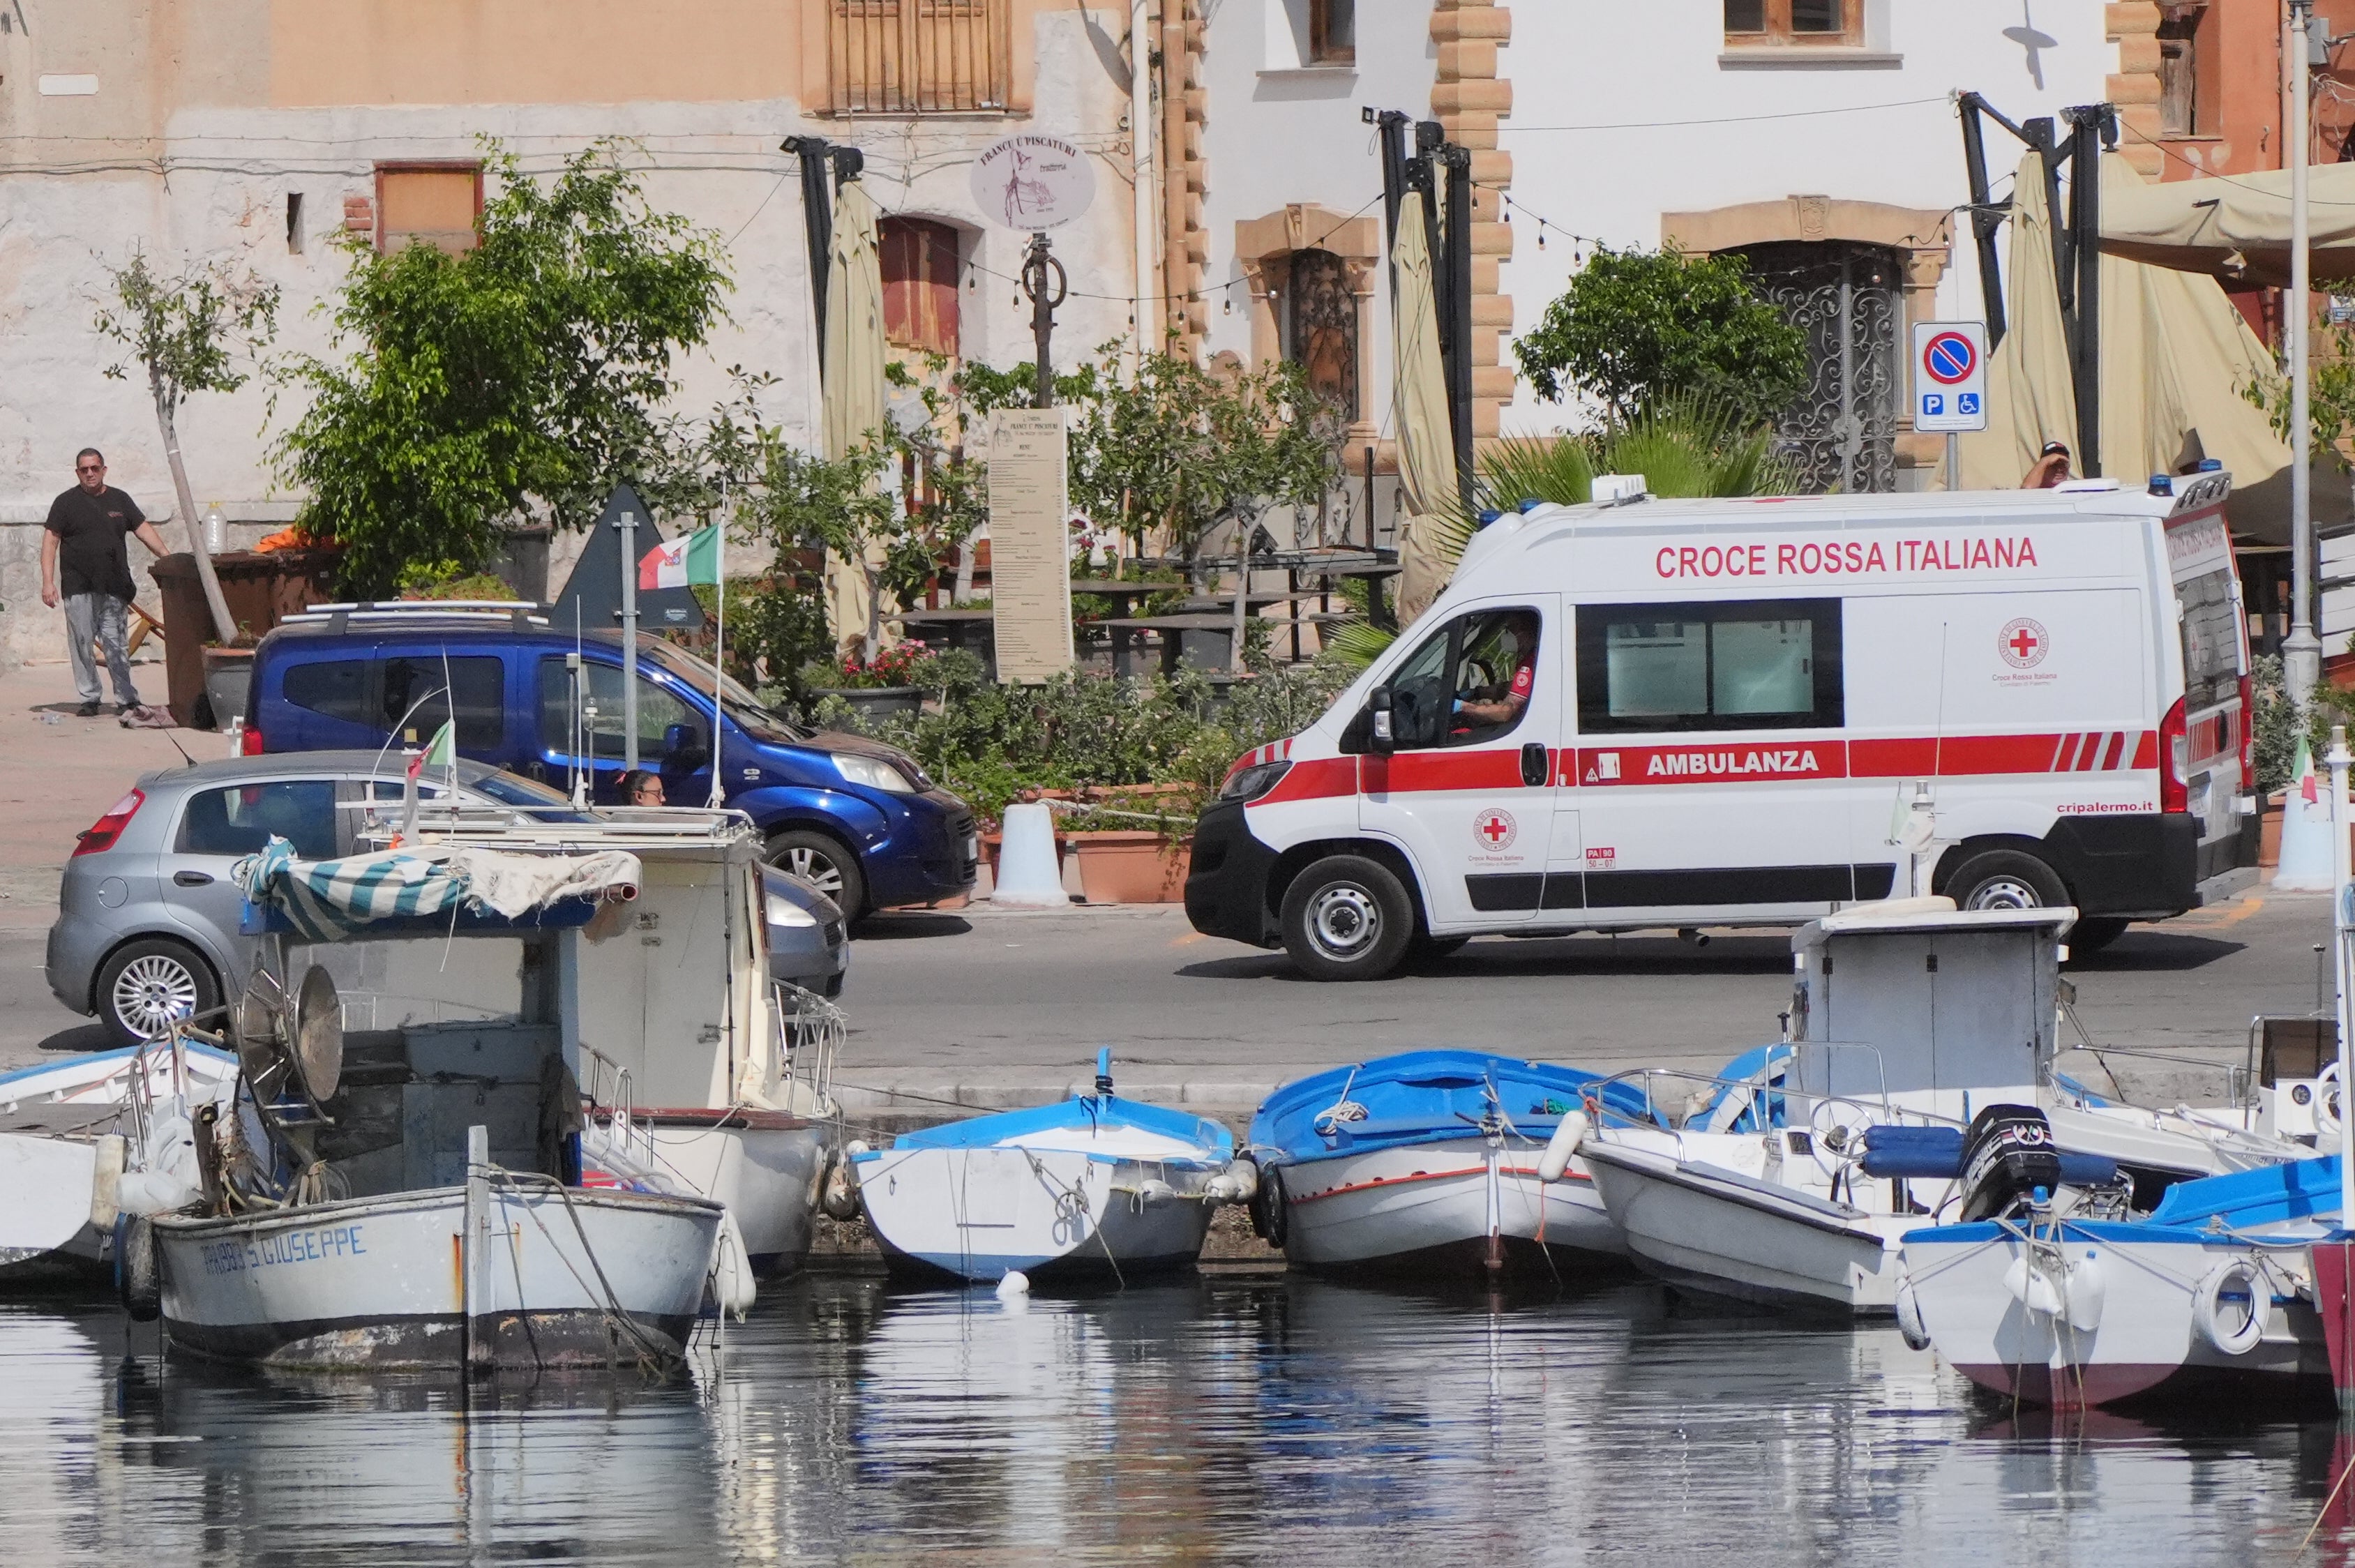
pixel 1229 1419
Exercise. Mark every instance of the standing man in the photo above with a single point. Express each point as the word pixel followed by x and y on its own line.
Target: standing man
pixel 86 529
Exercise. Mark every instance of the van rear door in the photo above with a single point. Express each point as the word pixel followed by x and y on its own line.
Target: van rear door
pixel 2215 702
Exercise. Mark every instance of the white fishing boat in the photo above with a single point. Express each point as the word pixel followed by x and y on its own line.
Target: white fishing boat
pixel 1914 1026
pixel 61 1123
pixel 1096 1186
pixel 410 1197
pixel 1427 1163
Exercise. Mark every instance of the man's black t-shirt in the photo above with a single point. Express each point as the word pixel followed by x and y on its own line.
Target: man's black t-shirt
pixel 91 556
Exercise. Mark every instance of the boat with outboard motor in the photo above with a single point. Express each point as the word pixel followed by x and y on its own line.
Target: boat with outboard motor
pixel 2045 1303
pixel 1428 1162
pixel 1918 1032
pixel 1095 1185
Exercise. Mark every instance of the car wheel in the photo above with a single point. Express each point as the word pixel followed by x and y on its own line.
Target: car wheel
pixel 819 859
pixel 144 984
pixel 2007 879
pixel 2092 935
pixel 1346 918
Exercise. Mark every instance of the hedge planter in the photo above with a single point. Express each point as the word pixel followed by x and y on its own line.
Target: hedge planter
pixel 229 675
pixel 1131 868
pixel 875 703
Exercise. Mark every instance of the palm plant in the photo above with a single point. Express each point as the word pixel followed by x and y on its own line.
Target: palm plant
pixel 1688 444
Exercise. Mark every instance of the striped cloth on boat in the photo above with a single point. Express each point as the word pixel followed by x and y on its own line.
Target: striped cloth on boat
pixel 328 899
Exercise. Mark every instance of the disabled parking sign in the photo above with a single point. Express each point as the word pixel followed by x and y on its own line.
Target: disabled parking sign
pixel 1949 376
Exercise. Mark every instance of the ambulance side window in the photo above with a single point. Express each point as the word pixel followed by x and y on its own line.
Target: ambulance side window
pixel 1755 665
pixel 1470 681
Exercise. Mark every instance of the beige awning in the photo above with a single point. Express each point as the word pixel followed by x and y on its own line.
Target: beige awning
pixel 2176 360
pixel 1426 447
pixel 2235 230
pixel 851 403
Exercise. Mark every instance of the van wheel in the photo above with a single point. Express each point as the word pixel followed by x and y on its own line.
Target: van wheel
pixel 819 859
pixel 1346 918
pixel 2092 935
pixel 144 984
pixel 2006 879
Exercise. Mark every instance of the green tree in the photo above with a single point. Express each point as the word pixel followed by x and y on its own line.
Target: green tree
pixel 1637 326
pixel 194 332
pixel 521 378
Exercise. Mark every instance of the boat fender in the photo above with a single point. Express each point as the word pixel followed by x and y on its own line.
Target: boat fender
pixel 733 1288
pixel 1555 1161
pixel 1014 1286
pixel 2030 1288
pixel 2083 1291
pixel 840 1197
pixel 2230 1331
pixel 1233 1185
pixel 105 1200
pixel 1909 1317
pixel 138 1268
pixel 1152 1191
pixel 1269 1219
pixel 2327 1104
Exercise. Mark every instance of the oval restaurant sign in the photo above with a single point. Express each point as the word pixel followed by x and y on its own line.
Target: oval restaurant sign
pixel 1032 182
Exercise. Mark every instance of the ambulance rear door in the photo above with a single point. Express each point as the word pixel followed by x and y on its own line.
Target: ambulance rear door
pixel 1467 790
pixel 2215 704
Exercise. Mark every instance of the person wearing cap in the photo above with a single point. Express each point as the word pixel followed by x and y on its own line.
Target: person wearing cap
pixel 2052 468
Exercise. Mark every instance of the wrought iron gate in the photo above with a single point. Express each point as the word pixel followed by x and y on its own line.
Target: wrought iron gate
pixel 1841 433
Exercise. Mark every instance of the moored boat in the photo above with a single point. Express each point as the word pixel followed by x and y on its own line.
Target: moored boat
pixel 1094 1186
pixel 1427 1163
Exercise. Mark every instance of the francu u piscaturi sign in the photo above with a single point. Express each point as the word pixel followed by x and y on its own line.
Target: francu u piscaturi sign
pixel 1032 182
pixel 1030 560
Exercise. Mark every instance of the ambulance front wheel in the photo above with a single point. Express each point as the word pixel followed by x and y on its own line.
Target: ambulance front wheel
pixel 1346 918
pixel 2007 879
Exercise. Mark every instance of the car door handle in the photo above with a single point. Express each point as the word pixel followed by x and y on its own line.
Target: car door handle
pixel 191 880
pixel 1533 764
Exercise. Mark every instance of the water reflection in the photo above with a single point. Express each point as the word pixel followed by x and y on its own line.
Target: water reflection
pixel 1221 1419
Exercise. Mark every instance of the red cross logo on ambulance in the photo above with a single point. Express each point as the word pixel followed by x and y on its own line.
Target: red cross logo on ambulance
pixel 2023 642
pixel 1494 830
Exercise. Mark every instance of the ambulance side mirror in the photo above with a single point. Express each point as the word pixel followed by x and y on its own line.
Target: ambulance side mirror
pixel 1379 705
pixel 1370 729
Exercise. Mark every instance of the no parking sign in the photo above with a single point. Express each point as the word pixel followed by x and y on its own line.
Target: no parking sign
pixel 1949 376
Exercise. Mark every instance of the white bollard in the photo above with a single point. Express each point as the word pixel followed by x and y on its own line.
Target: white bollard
pixel 1028 874
pixel 2306 858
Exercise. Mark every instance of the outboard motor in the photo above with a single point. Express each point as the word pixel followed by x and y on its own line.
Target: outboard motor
pixel 2008 1154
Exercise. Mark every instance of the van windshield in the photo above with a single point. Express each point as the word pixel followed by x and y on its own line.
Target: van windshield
pixel 751 715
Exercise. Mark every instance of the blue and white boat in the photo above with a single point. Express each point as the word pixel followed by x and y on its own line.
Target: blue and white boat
pixel 1428 1162
pixel 1094 1186
pixel 2215 1287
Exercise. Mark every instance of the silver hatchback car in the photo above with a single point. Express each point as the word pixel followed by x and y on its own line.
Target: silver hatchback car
pixel 148 915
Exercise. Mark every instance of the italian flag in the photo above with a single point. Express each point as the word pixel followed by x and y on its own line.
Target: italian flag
pixel 442 752
pixel 682 562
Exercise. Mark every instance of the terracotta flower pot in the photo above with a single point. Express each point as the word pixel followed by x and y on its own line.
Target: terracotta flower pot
pixel 1131 868
pixel 2269 832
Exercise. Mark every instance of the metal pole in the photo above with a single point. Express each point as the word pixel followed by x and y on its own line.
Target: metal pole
pixel 2302 652
pixel 2085 219
pixel 1141 171
pixel 1044 280
pixel 818 222
pixel 1456 304
pixel 628 524
pixel 1984 220
pixel 2338 759
pixel 720 650
pixel 1954 461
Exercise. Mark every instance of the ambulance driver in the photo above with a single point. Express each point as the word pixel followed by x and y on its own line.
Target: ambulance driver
pixel 1498 673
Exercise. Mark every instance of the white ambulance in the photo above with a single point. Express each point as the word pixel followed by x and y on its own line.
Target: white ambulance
pixel 1670 713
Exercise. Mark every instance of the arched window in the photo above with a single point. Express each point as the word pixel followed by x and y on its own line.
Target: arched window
pixel 1320 328
pixel 921 263
pixel 1841 433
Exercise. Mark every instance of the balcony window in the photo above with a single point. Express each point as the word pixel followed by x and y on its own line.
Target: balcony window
pixel 428 204
pixel 1814 24
pixel 918 57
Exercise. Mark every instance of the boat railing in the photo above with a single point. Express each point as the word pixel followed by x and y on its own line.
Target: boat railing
pixel 1692 1094
pixel 611 1093
pixel 2238 1081
pixel 813 1030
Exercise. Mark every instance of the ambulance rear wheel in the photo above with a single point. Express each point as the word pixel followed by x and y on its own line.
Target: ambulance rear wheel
pixel 1346 918
pixel 2007 879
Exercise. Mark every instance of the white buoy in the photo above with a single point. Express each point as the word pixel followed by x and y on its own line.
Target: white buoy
pixel 2305 863
pixel 1558 1148
pixel 1014 1286
pixel 1028 874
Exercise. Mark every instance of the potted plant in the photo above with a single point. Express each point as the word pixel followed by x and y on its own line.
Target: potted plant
pixel 1134 843
pixel 891 684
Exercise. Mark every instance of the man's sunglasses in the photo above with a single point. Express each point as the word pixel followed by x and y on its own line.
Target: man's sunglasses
pixel 90 468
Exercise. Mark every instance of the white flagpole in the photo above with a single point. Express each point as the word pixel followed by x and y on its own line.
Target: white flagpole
pixel 719 648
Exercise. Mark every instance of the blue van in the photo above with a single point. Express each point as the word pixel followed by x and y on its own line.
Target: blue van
pixel 857 818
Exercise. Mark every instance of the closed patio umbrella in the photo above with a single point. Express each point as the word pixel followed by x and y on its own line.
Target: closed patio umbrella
pixel 2030 398
pixel 1418 400
pixel 852 383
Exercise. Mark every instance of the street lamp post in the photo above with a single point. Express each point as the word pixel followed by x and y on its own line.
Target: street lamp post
pixel 2302 650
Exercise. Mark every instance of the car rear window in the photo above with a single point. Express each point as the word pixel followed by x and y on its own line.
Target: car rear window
pixel 336 689
pixel 417 699
pixel 242 818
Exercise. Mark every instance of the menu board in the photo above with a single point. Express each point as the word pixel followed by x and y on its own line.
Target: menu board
pixel 1029 558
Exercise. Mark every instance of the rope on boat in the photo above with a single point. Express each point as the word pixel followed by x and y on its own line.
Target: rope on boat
pixel 650 1355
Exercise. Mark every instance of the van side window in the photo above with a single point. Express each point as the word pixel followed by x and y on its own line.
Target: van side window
pixel 479 685
pixel 242 818
pixel 658 709
pixel 1469 682
pixel 335 688
pixel 1761 665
